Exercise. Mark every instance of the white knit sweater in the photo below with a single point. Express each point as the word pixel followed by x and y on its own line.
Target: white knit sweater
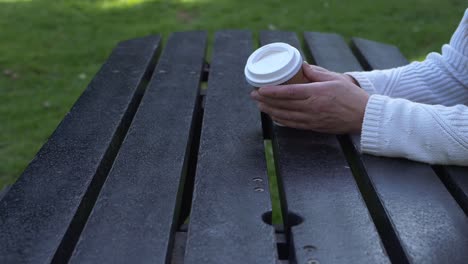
pixel 419 111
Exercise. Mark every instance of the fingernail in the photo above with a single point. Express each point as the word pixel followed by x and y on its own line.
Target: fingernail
pixel 253 94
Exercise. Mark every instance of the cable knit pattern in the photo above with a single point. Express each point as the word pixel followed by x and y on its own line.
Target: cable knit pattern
pixel 419 111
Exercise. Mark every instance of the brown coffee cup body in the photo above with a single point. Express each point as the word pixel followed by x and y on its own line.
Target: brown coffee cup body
pixel 299 77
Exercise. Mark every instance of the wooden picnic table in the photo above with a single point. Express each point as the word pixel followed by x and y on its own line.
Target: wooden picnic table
pixel 146 147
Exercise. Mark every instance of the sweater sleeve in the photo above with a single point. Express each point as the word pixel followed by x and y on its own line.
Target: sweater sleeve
pixel 420 111
pixel 434 134
pixel 439 79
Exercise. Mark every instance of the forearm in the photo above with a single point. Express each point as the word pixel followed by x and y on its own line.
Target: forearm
pixel 432 134
pixel 428 82
pixel 439 79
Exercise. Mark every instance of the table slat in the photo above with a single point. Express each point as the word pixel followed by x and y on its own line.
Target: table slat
pixel 137 211
pixel 332 52
pixel 45 210
pixel 226 219
pixel 318 186
pixel 384 56
pixel 429 222
pixel 4 191
pixel 456 180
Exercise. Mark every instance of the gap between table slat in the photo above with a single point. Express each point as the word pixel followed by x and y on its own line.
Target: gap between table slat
pixel 430 224
pixel 137 212
pixel 231 188
pixel 332 222
pixel 44 211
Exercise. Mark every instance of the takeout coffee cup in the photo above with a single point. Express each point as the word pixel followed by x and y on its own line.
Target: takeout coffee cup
pixel 274 64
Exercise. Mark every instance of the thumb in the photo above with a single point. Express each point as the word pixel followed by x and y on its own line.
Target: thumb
pixel 317 74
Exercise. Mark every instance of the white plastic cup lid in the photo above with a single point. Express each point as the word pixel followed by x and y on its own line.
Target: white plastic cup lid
pixel 272 64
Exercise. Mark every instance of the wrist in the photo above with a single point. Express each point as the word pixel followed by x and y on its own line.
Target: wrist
pixel 361 112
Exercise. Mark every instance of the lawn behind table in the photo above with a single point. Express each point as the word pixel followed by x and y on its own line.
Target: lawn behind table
pixel 51 49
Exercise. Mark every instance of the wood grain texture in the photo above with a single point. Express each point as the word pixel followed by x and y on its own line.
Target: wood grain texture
pixel 135 217
pixel 45 210
pixel 430 224
pixel 231 188
pixel 317 185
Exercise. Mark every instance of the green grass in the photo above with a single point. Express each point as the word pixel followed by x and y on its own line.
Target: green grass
pixel 52 48
pixel 277 217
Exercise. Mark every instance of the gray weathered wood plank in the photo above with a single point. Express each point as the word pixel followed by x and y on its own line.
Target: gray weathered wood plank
pixel 317 184
pixel 430 225
pixel 456 180
pixel 231 187
pixel 44 211
pixel 384 56
pixel 137 212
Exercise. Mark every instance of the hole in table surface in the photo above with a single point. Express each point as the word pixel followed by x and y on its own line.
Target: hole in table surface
pixel 292 219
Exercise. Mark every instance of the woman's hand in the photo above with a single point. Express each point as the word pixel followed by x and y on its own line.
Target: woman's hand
pixel 331 103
